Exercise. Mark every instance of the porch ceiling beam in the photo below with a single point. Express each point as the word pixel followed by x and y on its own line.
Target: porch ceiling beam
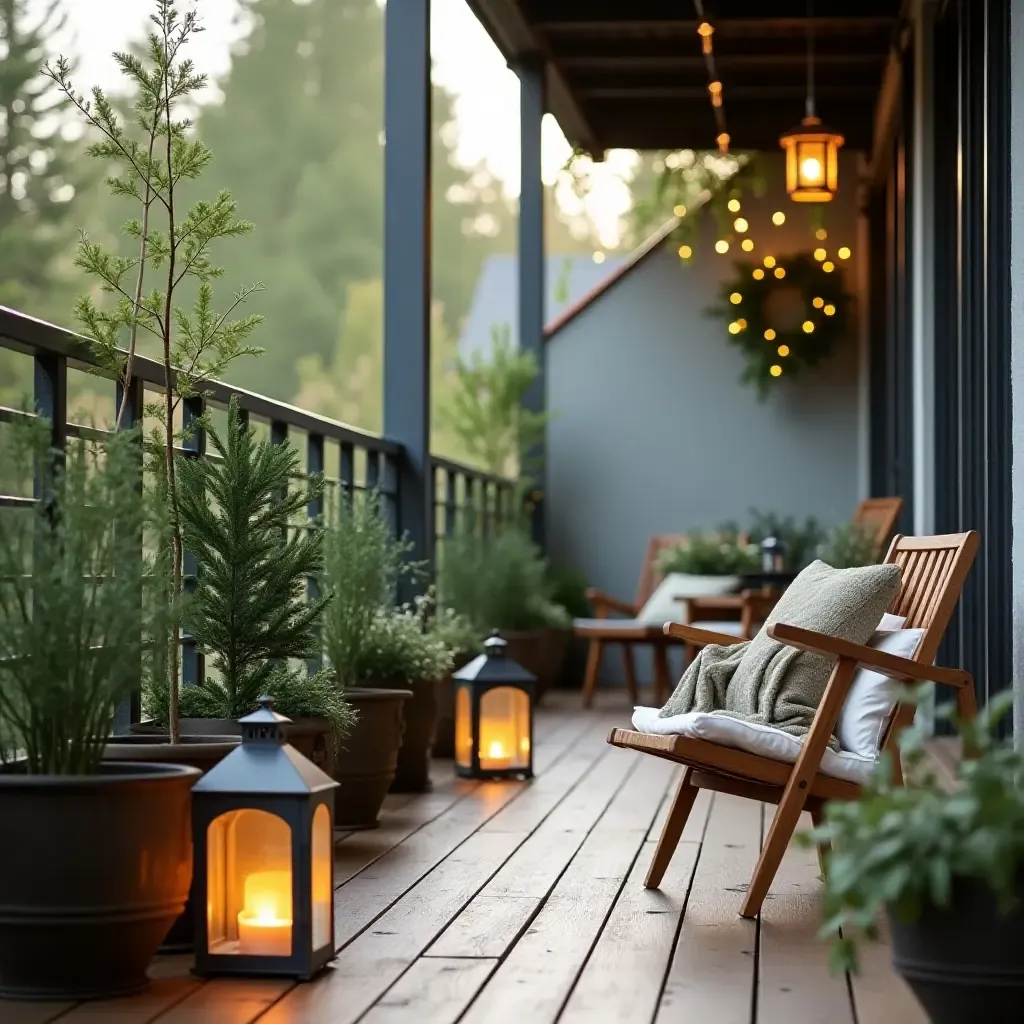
pixel 641 61
pixel 517 40
pixel 759 93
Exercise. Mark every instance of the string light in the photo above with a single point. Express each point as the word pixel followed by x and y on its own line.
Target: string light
pixel 733 205
pixel 769 262
pixel 685 252
pixel 599 256
pixel 775 370
pixel 783 351
pixel 828 266
pixel 769 335
pixel 780 273
pixel 721 245
pixel 742 323
pixel 817 302
pixel 735 298
pixel 715 88
pixel 679 210
pixel 808 326
pixel 740 224
pixel 820 254
pixel 734 327
pixel 829 310
pixel 778 218
pixel 747 244
pixel 723 142
pixel 821 234
pixel 844 253
pixel 705 31
pixel 758 273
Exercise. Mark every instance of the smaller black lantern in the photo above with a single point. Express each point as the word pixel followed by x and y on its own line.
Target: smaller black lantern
pixel 263 828
pixel 494 716
pixel 773 555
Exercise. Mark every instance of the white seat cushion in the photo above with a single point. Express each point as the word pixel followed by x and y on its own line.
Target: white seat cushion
pixel 664 605
pixel 871 698
pixel 765 740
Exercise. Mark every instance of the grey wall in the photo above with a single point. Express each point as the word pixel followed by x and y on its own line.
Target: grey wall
pixel 653 432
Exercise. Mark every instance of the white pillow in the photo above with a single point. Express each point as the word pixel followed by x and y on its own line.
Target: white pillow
pixel 890 622
pixel 765 740
pixel 871 700
pixel 662 606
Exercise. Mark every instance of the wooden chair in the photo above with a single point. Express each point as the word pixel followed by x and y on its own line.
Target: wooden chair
pixel 934 570
pixel 627 632
pixel 879 514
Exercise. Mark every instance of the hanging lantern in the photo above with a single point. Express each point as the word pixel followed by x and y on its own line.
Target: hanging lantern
pixel 494 716
pixel 812 150
pixel 262 824
pixel 812 161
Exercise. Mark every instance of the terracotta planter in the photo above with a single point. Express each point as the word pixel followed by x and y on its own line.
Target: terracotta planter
pixel 99 871
pixel 367 759
pixel 311 737
pixel 444 733
pixel 412 774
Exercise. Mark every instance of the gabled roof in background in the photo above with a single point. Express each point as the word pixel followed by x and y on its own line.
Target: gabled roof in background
pixel 569 280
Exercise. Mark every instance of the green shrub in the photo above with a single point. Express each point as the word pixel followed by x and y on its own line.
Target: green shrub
pixel 801 540
pixel 849 546
pixel 709 554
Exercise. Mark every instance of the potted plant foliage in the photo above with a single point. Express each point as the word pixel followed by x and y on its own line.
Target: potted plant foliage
pixel 363 565
pixel 800 540
pixel 947 869
pixel 501 582
pixel 249 614
pixel 706 564
pixel 850 545
pixel 76 608
pixel 460 637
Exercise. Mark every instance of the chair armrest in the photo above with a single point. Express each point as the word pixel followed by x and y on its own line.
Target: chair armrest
pixel 604 603
pixel 889 665
pixel 700 637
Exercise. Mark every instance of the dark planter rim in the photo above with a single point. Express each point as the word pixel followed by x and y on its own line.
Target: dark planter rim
pixel 377 692
pixel 111 773
pixel 161 739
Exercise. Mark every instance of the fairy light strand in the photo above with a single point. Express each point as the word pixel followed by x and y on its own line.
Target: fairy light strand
pixel 706 30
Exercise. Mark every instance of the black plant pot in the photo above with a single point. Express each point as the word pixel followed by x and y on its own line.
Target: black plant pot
pixel 412 773
pixel 94 870
pixel 964 962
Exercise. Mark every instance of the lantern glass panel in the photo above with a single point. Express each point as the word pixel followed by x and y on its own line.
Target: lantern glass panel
pixel 463 728
pixel 323 898
pixel 504 729
pixel 812 158
pixel 249 884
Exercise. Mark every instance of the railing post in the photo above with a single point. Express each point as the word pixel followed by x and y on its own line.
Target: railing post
pixel 347 472
pixel 315 511
pixel 532 263
pixel 407 286
pixel 193 664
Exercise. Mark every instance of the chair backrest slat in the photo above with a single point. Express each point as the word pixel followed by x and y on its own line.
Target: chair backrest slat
pixel 650 577
pixel 879 514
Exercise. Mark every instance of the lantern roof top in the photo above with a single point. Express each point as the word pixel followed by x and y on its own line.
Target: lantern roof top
pixel 494 666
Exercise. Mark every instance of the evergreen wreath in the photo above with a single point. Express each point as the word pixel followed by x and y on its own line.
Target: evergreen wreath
pixel 776 346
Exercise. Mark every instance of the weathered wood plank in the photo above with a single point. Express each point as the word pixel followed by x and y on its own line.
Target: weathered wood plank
pixel 433 991
pixel 227 1002
pixel 369 965
pixel 537 976
pixel 794 981
pixel 712 972
pixel 161 996
pixel 880 995
pixel 693 832
pixel 31 1013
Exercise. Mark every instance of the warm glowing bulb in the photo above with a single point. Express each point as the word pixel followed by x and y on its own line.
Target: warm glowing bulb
pixel 740 225
pixel 828 266
pixel 747 244
pixel 758 273
pixel 783 351
pixel 817 302
pixel 780 273
pixel 496 749
pixel 769 335
pixel 810 170
pixel 735 298
pixel 820 254
pixel 721 245
pixel 599 256
pixel 769 261
pixel 775 370
pixel 742 323
pixel 734 328
pixel 679 210
pixel 715 88
pixel 808 326
pixel 829 310
pixel 734 205
pixel 704 29
pixel 685 252
pixel 844 253
pixel 778 218
pixel 821 234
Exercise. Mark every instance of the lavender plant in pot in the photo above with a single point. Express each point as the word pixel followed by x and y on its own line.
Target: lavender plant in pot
pixel 76 609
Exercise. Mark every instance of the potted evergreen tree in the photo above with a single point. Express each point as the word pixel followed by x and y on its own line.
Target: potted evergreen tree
pixel 76 608
pixel 946 867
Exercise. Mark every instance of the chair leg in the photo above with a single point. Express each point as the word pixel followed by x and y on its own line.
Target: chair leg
pixel 662 683
pixel 682 804
pixel 787 814
pixel 594 652
pixel 629 667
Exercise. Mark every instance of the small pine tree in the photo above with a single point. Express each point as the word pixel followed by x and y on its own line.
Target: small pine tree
pixel 250 613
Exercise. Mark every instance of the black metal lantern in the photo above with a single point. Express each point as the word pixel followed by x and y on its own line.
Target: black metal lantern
pixel 773 555
pixel 263 829
pixel 494 716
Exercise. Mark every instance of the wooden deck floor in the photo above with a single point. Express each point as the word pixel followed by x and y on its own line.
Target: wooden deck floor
pixel 510 902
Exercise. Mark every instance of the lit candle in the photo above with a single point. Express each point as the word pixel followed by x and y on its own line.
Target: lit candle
pixel 497 757
pixel 265 924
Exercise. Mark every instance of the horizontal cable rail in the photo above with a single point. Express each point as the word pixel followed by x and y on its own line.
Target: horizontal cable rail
pixel 350 460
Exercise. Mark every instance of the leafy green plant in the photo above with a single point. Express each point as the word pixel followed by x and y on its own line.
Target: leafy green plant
pixel 801 540
pixel 486 410
pixel 901 848
pixel 154 154
pixel 363 565
pixel 709 554
pixel 500 582
pixel 398 650
pixel 249 612
pixel 850 545
pixel 75 603
pixel 569 589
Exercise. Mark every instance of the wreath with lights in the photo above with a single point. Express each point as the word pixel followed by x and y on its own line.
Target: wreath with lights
pixel 786 315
